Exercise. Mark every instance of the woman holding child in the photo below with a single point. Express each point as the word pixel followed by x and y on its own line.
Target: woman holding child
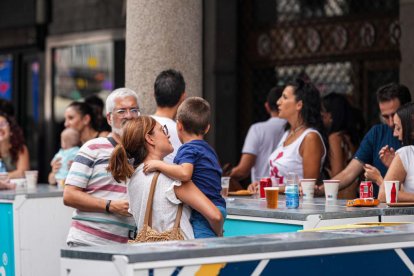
pixel 143 140
pixel 81 117
pixel 196 160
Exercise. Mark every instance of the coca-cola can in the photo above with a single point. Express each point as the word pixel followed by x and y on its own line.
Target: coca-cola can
pixel 264 182
pixel 366 190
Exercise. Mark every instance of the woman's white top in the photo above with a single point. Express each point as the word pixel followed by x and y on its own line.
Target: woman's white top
pixel 165 203
pixel 286 159
pixel 407 158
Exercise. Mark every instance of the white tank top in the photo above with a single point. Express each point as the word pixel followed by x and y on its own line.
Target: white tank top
pixel 286 159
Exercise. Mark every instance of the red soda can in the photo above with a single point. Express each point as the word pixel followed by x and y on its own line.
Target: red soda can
pixel 264 182
pixel 366 189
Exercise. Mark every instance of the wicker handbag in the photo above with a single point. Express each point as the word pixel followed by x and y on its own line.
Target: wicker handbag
pixel 147 234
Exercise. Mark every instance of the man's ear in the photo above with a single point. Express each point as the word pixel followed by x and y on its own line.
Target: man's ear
pixel 182 98
pixel 207 129
pixel 108 119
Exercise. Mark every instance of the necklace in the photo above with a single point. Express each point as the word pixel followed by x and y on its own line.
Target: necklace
pixel 294 131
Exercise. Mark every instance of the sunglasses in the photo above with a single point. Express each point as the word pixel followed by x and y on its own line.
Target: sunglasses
pixel 165 130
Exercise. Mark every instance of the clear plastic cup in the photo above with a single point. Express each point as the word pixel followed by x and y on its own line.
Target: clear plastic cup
pixel 225 184
pixel 4 176
pixel 31 178
pixel 275 181
pixel 272 196
pixel 21 183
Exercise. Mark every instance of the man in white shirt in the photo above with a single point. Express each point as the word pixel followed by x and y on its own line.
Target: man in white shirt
pixel 262 138
pixel 169 93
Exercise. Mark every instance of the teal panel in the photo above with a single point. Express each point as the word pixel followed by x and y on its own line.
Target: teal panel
pixel 6 239
pixel 235 227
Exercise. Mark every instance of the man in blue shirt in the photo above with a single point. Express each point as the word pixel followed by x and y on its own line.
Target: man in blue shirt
pixel 390 97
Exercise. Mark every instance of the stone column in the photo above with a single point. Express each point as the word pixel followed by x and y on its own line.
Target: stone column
pixel 161 35
pixel 407 44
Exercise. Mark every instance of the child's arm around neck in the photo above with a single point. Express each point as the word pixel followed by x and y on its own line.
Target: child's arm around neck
pixel 182 172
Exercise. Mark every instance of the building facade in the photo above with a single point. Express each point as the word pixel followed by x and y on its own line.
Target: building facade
pixel 230 52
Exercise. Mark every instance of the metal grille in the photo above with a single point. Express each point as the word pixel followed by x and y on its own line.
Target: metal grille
pixel 346 46
pixel 330 77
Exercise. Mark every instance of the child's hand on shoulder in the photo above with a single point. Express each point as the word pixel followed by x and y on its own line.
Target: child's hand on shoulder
pixel 152 166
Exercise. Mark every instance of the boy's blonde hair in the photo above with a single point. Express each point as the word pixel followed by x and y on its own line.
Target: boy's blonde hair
pixel 71 137
pixel 194 114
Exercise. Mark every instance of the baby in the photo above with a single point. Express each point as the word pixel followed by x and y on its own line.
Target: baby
pixel 69 141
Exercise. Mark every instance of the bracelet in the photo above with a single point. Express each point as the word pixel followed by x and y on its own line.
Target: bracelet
pixel 108 203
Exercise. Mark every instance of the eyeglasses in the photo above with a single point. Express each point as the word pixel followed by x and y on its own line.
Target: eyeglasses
pixel 165 130
pixel 122 112
pixel 4 124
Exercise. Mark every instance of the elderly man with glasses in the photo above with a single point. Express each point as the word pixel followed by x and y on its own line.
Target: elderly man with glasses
pixel 101 216
pixel 390 97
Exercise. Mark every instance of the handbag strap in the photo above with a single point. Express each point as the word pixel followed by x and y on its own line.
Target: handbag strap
pixel 148 211
pixel 178 217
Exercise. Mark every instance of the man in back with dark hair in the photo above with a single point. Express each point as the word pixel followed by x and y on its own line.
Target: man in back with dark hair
pixel 390 97
pixel 392 91
pixel 262 138
pixel 169 92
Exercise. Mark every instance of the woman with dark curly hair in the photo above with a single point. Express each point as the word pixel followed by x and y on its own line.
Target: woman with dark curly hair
pixel 13 150
pixel 302 148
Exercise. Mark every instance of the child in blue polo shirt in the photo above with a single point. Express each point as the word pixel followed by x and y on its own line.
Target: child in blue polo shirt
pixel 195 160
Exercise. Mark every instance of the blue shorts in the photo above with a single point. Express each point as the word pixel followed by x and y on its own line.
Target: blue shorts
pixel 201 227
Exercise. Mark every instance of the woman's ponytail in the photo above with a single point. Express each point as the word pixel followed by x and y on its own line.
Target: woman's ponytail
pixel 131 151
pixel 119 166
